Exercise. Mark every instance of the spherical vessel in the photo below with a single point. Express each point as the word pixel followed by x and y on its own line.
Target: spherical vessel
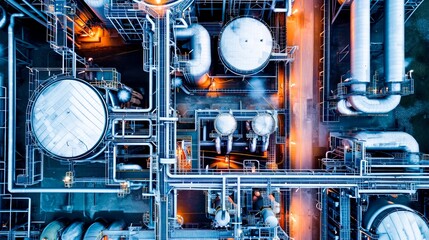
pixel 245 45
pixel 264 124
pixel 225 124
pixel 68 118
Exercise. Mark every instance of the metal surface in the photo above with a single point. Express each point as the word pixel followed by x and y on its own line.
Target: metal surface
pixel 360 60
pixel 225 124
pixel 68 118
pixel 264 124
pixel 245 45
pixel 200 61
pixel 398 222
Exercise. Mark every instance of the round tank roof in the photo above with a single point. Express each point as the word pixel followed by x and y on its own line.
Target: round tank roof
pixel 264 124
pixel 245 45
pixel 402 225
pixel 225 124
pixel 68 118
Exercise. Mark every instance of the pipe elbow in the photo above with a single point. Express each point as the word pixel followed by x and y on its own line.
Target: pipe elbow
pixel 367 105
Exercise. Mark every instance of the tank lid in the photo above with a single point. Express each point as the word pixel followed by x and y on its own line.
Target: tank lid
pixel 264 124
pixel 245 45
pixel 225 124
pixel 68 118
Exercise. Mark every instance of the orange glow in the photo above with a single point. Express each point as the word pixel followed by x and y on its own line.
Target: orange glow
pixel 295 11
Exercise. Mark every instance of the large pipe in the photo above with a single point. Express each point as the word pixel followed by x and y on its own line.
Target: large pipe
pixel 201 50
pixel 391 140
pixel 3 17
pixel 360 60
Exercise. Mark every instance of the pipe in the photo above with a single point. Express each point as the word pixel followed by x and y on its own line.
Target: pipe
pixel 229 144
pixel 11 131
pixel 384 208
pixel 253 142
pixel 265 143
pixel 391 140
pixel 3 18
pixel 360 59
pixel 20 8
pixel 218 143
pixel 223 193
pixel 201 50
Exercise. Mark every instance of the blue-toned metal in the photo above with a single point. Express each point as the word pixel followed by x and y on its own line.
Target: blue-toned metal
pixel 68 118
pixel 245 45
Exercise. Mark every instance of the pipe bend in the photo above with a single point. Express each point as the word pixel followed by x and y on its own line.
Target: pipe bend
pixel 381 105
pixel 201 49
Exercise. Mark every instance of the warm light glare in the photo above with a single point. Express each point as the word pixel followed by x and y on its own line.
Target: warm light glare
pixel 295 11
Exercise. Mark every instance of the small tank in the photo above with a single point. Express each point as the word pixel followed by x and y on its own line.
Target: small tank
pixel 53 230
pixel 264 124
pixel 95 231
pixel 245 45
pixel 225 124
pixel 73 232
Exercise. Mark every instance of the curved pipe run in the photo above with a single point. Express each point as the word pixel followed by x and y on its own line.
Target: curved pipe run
pixel 360 59
pixel 201 50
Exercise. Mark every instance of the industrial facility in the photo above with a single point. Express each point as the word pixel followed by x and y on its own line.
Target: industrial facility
pixel 211 119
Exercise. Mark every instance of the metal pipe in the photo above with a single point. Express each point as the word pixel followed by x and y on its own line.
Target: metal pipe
pixel 253 142
pixel 20 8
pixel 35 10
pixel 229 144
pixel 11 147
pixel 3 19
pixel 218 145
pixel 360 61
pixel 223 193
pixel 201 50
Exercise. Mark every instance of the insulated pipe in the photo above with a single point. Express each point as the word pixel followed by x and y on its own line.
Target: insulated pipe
pixel 265 143
pixel 394 44
pixel 391 140
pixel 359 54
pixel 229 144
pixel 253 142
pixel 360 44
pixel 218 143
pixel 201 50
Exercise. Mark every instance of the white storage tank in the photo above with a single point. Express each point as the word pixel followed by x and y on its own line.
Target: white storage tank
pixel 398 222
pixel 264 124
pixel 68 118
pixel 225 124
pixel 245 45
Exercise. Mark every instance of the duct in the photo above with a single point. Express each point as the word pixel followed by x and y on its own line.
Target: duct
pixel 229 144
pixel 201 50
pixel 360 58
pixel 391 140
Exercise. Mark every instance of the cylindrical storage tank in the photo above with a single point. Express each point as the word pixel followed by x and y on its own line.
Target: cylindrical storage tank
pixel 269 217
pixel 52 231
pixel 245 45
pixel 222 218
pixel 398 222
pixel 68 118
pixel 264 124
pixel 73 232
pixel 94 231
pixel 116 226
pixel 225 124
